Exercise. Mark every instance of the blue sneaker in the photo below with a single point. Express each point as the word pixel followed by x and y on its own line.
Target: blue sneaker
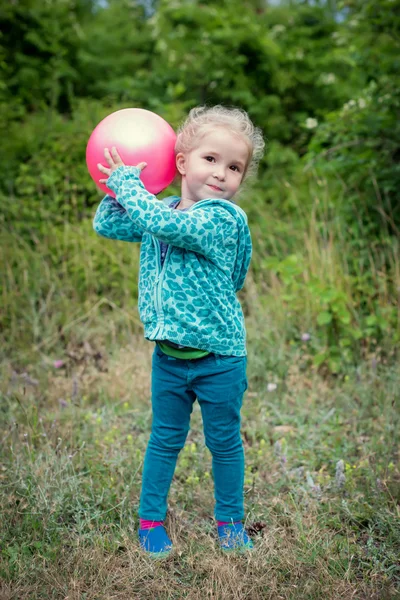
pixel 155 541
pixel 233 537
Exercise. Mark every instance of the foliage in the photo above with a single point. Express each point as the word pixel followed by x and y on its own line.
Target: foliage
pixel 279 64
pixel 321 80
pixel 42 190
pixel 359 143
pixel 38 46
pixel 115 54
pixel 343 328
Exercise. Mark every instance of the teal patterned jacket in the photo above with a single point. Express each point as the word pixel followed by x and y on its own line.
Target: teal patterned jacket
pixel 190 300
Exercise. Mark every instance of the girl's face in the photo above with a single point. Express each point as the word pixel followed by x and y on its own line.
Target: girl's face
pixel 215 167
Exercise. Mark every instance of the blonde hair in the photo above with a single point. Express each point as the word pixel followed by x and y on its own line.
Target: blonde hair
pixel 201 118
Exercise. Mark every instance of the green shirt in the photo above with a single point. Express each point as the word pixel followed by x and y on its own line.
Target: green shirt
pixel 187 353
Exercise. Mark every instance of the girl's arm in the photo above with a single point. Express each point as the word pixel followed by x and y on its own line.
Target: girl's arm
pixel 112 221
pixel 205 231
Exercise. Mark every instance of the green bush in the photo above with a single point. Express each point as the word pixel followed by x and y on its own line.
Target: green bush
pixel 360 145
pixel 46 180
pixel 343 326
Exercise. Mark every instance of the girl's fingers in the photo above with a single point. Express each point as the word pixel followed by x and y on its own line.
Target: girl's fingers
pixel 103 169
pixel 108 157
pixel 114 160
pixel 116 157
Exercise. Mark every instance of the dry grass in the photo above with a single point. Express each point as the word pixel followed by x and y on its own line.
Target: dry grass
pixel 196 571
pixel 71 483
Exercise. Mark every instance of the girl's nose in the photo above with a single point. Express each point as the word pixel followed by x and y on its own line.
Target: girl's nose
pixel 219 174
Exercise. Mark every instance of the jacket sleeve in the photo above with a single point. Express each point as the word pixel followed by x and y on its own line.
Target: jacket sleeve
pixel 112 221
pixel 205 231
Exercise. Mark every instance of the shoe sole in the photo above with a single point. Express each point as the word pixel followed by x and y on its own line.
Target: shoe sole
pixel 238 550
pixel 157 555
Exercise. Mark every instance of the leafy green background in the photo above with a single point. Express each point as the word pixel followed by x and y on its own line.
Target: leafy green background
pixel 321 78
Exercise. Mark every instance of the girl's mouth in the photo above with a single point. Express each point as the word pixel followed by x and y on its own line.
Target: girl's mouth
pixel 215 187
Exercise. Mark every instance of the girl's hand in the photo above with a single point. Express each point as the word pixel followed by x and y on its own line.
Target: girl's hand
pixel 114 160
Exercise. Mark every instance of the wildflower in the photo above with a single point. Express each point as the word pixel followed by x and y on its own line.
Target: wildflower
pixel 305 337
pixel 297 472
pixel 315 487
pixel 340 478
pixel 278 28
pixel 280 448
pixel 162 45
pixel 328 78
pixel 311 123
pixel 309 479
pixel 362 103
pixel 348 105
pixel 271 387
pixel 57 364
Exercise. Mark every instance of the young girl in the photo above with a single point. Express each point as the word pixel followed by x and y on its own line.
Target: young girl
pixel 195 254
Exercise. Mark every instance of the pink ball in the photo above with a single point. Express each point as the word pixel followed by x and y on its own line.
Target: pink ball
pixel 139 136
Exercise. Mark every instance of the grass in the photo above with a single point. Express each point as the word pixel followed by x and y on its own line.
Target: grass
pixel 72 452
pixel 322 481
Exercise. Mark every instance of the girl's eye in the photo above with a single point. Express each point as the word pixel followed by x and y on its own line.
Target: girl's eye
pixel 209 158
pixel 235 168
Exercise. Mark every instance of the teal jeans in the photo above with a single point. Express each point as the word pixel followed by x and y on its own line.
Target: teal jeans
pixel 218 383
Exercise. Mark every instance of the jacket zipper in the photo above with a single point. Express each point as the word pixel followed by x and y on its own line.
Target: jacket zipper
pixel 158 284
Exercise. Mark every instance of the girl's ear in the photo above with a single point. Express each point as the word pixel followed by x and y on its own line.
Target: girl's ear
pixel 181 163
